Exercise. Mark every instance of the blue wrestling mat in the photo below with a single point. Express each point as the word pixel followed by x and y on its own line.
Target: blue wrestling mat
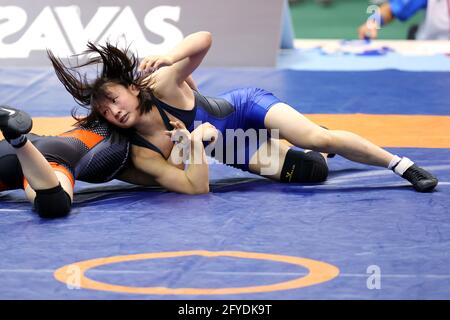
pixel 364 234
pixel 41 94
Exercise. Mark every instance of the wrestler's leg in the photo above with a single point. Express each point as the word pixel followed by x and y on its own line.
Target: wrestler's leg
pixel 278 160
pixel 43 184
pixel 302 132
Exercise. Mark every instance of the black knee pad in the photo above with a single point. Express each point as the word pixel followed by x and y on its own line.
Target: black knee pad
pixel 304 167
pixel 52 203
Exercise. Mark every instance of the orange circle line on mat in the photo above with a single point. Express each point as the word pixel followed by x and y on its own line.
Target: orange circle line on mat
pixel 318 272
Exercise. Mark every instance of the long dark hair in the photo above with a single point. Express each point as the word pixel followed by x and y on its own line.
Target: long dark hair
pixel 118 66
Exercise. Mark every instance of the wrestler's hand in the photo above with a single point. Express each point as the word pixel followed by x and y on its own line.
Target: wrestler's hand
pixel 179 134
pixel 205 132
pixel 152 63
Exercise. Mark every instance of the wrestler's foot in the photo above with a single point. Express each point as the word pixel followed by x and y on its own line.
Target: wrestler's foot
pixel 422 180
pixel 14 123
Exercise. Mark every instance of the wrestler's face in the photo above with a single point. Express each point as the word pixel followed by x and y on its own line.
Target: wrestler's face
pixel 121 105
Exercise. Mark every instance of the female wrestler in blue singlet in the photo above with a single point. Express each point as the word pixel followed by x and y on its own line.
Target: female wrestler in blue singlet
pixel 161 105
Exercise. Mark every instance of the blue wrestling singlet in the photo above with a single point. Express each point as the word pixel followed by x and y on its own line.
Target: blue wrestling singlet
pixel 243 109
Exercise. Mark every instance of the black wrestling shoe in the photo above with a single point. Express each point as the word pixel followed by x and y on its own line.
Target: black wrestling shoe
pixel 14 123
pixel 422 180
pixel 330 155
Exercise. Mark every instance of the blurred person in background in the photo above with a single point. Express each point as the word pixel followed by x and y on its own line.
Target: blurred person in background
pixel 436 25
